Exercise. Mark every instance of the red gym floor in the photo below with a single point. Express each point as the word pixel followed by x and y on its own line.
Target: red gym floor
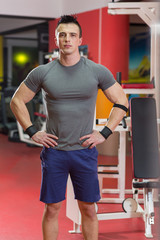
pixel 20 208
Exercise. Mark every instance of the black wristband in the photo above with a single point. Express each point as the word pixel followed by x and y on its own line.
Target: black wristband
pixel 121 106
pixel 106 132
pixel 31 130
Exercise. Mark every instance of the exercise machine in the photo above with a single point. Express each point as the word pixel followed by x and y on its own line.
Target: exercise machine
pixel 7 122
pixel 145 155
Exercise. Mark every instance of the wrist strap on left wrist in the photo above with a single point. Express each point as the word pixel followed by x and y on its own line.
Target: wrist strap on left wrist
pixel 106 132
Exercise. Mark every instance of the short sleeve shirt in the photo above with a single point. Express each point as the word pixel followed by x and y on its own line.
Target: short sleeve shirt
pixel 70 96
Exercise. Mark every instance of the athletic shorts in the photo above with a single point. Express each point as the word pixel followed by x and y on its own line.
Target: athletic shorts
pixel 82 167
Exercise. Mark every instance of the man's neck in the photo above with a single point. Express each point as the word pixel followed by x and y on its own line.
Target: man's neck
pixel 69 60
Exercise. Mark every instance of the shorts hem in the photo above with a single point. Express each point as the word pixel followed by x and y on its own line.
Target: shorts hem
pixel 51 201
pixel 88 201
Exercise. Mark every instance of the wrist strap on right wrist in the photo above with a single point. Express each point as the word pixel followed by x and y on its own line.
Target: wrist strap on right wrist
pixel 31 130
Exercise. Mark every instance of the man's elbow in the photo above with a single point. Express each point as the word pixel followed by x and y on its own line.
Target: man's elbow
pixel 126 104
pixel 13 103
pixel 123 101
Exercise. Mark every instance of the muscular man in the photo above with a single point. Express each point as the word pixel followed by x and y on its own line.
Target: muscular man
pixel 70 84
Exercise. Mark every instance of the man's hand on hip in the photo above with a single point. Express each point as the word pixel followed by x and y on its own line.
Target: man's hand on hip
pixel 93 139
pixel 46 139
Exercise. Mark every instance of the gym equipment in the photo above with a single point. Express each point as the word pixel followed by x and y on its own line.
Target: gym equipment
pixel 129 205
pixel 116 171
pixel 8 122
pixel 146 169
pixel 146 162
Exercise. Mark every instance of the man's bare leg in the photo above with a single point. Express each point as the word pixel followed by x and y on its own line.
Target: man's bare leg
pixel 89 220
pixel 50 221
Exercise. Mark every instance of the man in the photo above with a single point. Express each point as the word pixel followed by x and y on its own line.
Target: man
pixel 70 84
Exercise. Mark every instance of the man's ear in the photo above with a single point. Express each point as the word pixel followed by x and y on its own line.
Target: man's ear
pixel 56 42
pixel 80 41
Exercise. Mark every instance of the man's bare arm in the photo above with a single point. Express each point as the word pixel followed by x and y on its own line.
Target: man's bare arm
pixel 18 105
pixel 116 95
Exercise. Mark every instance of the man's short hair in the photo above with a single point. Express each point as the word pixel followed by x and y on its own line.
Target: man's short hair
pixel 70 19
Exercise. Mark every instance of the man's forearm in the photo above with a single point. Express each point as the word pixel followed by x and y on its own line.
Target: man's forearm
pixel 21 113
pixel 115 118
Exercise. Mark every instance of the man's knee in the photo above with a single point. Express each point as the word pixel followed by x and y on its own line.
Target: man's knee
pixel 52 210
pixel 87 209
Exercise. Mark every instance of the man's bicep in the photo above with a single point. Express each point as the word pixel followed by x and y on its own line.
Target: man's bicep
pixel 24 94
pixel 116 94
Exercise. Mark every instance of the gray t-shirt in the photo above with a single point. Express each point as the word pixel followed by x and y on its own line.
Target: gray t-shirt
pixel 70 95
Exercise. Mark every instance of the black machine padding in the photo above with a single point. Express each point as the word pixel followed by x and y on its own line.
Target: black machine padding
pixel 146 184
pixel 145 151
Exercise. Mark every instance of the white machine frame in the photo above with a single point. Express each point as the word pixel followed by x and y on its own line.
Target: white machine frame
pixel 120 191
pixel 132 210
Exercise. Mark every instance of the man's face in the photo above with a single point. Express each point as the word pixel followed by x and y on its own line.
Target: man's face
pixel 67 38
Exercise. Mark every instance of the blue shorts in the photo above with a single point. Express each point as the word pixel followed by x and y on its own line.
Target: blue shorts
pixel 82 167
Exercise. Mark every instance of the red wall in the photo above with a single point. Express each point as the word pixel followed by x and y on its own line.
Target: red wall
pixel 114 53
pixel 89 22
pixel 114 45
